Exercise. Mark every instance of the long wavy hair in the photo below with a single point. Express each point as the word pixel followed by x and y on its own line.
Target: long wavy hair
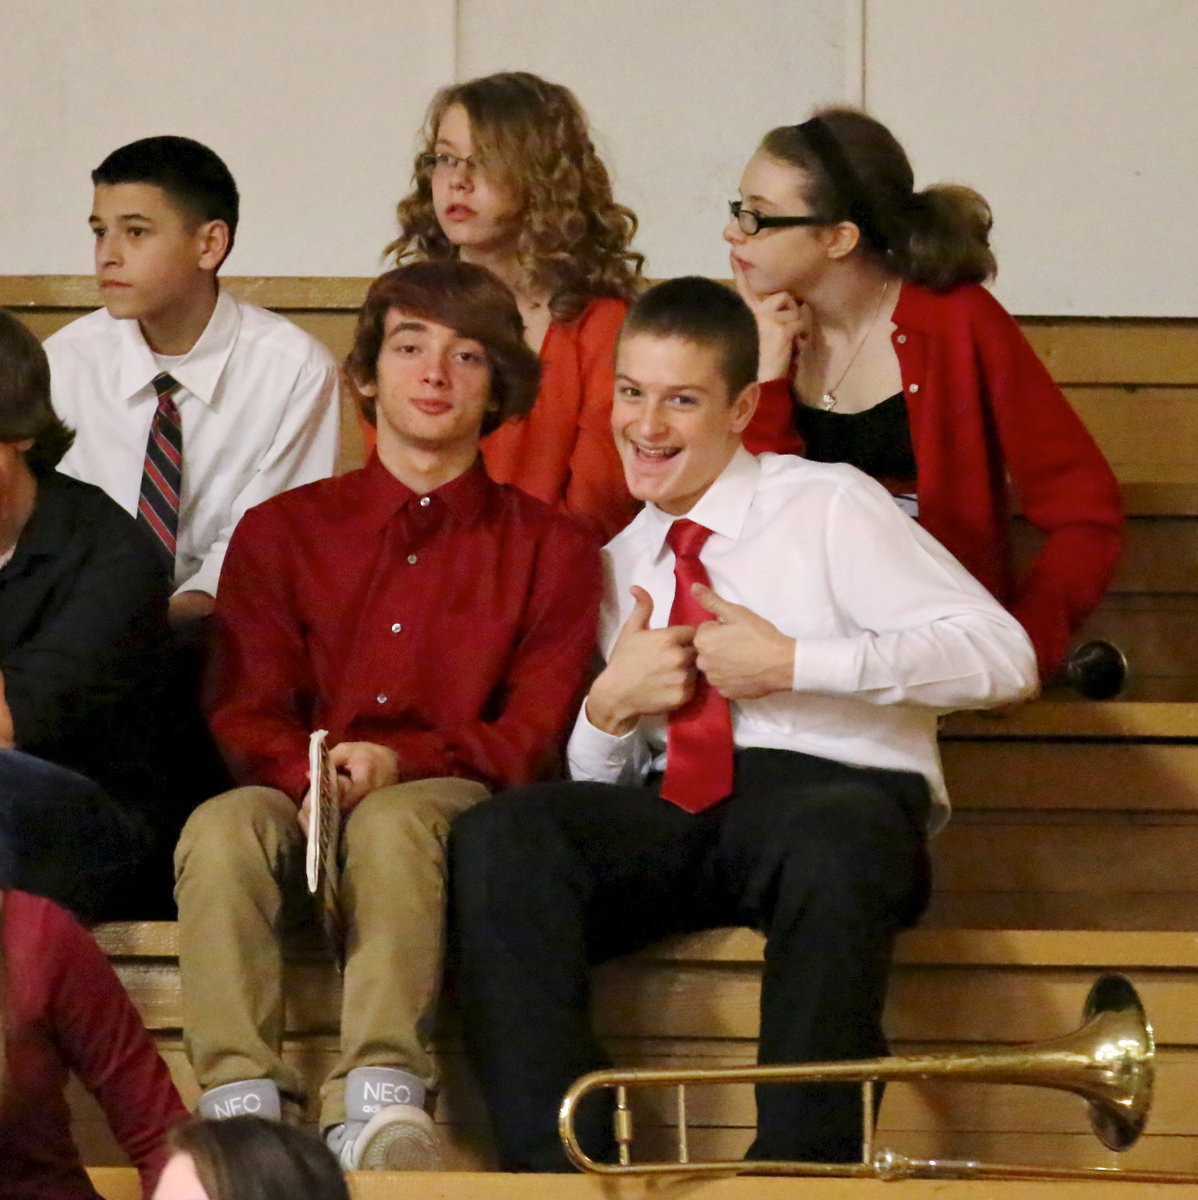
pixel 856 170
pixel 572 241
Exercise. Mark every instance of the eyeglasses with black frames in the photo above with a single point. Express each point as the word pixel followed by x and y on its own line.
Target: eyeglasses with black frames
pixel 751 222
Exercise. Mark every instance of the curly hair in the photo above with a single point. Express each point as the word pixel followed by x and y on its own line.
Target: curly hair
pixel 467 298
pixel 857 171
pixel 573 240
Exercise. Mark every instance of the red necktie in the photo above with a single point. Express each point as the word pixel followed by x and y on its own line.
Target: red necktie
pixel 162 475
pixel 699 739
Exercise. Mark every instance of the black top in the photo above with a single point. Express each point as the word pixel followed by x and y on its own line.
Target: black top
pixel 84 643
pixel 876 441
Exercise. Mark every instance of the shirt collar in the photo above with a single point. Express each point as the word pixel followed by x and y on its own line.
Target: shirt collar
pixel 722 508
pixel 200 371
pixel 466 497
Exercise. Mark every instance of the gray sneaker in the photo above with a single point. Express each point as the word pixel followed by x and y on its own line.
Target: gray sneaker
pixel 386 1127
pixel 400 1137
pixel 246 1097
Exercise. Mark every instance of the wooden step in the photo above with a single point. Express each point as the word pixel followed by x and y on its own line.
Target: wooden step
pixel 693 1001
pixel 121 1184
pixel 1133 381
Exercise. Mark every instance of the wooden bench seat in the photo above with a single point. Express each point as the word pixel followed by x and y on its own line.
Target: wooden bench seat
pixel 693 1001
pixel 120 1183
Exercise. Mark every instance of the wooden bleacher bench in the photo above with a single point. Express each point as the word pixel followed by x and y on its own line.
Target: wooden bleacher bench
pixel 1073 848
pixel 693 1001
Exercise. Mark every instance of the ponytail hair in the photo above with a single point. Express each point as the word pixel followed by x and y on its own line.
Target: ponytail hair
pixel 857 171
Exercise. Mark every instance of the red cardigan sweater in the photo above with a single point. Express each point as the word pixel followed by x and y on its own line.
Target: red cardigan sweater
pixel 563 452
pixel 65 1011
pixel 990 427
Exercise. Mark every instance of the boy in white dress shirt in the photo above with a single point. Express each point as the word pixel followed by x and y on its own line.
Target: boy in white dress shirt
pixel 255 396
pixel 759 749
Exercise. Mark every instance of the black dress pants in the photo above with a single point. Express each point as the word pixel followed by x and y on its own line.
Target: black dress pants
pixel 828 861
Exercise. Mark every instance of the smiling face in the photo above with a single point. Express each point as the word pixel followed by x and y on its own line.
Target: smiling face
pixel 153 262
pixel 475 213
pixel 675 425
pixel 777 260
pixel 432 387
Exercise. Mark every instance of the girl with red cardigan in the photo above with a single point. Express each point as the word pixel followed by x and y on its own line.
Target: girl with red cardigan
pixel 880 347
pixel 508 178
pixel 63 1011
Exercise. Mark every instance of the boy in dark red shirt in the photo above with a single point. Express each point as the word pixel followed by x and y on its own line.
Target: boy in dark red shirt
pixel 439 626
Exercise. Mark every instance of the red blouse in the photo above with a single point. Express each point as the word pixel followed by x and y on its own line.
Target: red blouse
pixel 990 429
pixel 563 451
pixel 66 1012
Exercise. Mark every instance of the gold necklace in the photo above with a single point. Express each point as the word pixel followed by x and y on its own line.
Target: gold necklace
pixel 828 400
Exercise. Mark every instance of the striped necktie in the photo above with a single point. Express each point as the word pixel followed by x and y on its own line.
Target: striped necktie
pixel 162 476
pixel 699 733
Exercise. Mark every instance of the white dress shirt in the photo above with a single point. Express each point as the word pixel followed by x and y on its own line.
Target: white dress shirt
pixel 890 629
pixel 258 402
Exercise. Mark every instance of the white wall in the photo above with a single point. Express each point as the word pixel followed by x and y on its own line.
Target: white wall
pixel 1077 118
pixel 679 92
pixel 314 107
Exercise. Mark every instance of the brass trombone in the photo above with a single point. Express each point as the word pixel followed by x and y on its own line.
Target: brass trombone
pixel 1108 1061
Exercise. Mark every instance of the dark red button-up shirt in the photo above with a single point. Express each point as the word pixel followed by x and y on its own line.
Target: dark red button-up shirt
pixel 454 627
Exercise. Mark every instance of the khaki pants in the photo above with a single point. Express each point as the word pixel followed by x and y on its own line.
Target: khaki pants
pixel 239 871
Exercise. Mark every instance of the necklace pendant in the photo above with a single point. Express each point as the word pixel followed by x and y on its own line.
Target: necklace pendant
pixel 827 402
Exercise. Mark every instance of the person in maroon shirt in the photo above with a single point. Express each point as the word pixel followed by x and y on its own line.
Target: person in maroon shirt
pixel 439 626
pixel 64 1011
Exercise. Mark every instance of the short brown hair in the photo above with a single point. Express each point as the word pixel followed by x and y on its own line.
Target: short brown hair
pixel 466 298
pixel 573 239
pixel 709 314
pixel 25 409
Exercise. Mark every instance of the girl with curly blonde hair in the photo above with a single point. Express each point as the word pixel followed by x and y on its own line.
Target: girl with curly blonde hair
pixel 508 178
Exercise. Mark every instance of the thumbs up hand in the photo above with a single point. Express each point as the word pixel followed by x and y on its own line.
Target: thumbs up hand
pixel 649 671
pixel 742 655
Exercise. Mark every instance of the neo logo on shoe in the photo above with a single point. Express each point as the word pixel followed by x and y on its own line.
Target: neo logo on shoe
pixel 380 1095
pixel 237 1106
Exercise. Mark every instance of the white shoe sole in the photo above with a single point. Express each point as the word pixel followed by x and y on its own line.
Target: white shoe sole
pixel 400 1137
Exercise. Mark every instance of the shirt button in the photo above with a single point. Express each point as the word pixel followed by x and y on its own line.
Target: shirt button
pixel 901 339
pixel 411 560
pixel 397 628
pixel 425 502
pixel 381 698
pixel 914 387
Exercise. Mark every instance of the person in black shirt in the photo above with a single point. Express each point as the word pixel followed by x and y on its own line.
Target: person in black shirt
pixel 84 804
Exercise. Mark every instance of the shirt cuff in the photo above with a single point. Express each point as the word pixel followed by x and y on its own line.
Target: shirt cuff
pixel 596 755
pixel 204 580
pixel 829 665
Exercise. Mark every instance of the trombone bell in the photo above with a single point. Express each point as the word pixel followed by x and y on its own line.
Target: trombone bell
pixel 1108 1062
